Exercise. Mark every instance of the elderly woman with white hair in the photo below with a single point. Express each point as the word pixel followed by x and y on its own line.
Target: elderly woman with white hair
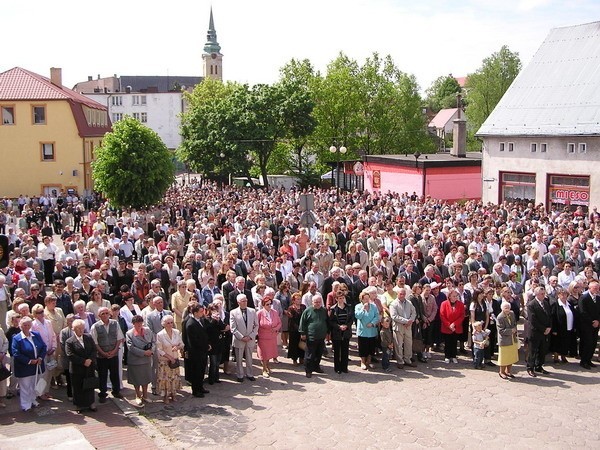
pixel 81 352
pixel 168 346
pixel 508 341
pixel 28 350
pixel 44 327
pixel 81 313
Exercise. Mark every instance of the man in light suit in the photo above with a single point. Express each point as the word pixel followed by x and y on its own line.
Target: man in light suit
pixel 154 322
pixel 244 327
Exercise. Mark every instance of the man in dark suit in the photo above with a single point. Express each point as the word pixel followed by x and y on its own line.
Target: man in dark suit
pixel 240 288
pixel 195 340
pixel 158 273
pixel 589 314
pixel 244 267
pixel 410 275
pixel 540 325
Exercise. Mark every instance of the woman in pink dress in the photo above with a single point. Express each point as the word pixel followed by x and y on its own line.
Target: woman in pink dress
pixel 269 324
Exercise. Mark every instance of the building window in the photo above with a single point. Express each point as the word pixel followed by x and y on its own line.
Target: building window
pixel 501 146
pixel 136 116
pixel 48 151
pixel 511 146
pixel 533 147
pixel 570 148
pixel 39 115
pixel 138 100
pixel 144 117
pixel 117 100
pixel 517 186
pixel 8 115
pixel 543 148
pixel 582 148
pixel 117 116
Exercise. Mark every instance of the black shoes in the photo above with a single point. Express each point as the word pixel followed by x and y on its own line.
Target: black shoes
pixel 542 370
pixel 308 374
pixel 251 378
pixel 319 370
pixel 240 380
pixel 119 395
pixel 198 395
pixel 585 365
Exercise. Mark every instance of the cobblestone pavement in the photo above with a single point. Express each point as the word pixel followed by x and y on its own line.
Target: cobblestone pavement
pixel 434 405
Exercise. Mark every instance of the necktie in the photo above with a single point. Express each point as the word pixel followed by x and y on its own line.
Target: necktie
pixel 245 316
pixel 161 315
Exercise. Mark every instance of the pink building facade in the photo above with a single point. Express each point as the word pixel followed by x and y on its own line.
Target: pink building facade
pixel 440 176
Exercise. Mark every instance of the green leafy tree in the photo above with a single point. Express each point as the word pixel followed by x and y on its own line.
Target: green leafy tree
pixel 210 139
pixel 133 167
pixel 297 82
pixel 488 84
pixel 371 109
pixel 442 93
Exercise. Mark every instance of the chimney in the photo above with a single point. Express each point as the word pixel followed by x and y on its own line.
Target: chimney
pixel 56 76
pixel 459 142
pixel 98 76
pixel 90 78
pixel 459 132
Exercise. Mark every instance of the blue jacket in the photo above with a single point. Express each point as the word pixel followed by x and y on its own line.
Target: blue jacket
pixel 363 318
pixel 23 352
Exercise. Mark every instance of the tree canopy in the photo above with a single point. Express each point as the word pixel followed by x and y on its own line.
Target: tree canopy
pixel 442 93
pixel 488 84
pixel 133 167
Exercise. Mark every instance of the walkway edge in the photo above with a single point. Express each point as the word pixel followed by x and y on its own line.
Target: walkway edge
pixel 150 430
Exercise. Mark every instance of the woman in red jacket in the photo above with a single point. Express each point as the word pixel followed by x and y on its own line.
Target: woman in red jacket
pixel 452 313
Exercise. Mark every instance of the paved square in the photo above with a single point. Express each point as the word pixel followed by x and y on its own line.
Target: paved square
pixel 434 405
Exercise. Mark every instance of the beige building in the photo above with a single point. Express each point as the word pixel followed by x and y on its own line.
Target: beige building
pixel 48 134
pixel 542 141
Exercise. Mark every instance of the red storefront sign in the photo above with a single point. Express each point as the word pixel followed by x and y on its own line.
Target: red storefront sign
pixel 570 196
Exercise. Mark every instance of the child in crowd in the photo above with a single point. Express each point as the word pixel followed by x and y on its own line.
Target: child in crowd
pixel 387 344
pixel 480 342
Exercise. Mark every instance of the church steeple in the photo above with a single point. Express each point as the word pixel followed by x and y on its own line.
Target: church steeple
pixel 212 57
pixel 211 46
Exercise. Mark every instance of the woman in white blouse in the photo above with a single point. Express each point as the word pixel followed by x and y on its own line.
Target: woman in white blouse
pixel 129 310
pixel 168 346
pixel 44 328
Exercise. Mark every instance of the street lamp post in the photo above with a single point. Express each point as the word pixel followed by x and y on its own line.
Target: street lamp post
pixel 340 151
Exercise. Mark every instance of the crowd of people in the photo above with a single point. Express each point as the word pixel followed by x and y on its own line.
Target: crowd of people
pixel 215 273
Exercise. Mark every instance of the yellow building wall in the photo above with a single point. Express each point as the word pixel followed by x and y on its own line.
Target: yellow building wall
pixel 22 170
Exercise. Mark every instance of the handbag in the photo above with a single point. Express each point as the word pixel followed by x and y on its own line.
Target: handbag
pixel 4 372
pixel 40 383
pixel 91 382
pixel 173 364
pixel 417 343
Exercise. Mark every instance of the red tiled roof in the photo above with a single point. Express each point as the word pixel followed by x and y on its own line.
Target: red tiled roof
pixel 461 81
pixel 443 117
pixel 21 84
